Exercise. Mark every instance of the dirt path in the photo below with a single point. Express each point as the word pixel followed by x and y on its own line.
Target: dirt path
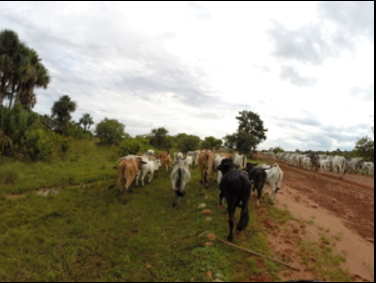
pixel 341 211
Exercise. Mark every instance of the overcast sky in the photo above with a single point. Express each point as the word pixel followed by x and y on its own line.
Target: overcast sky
pixel 306 68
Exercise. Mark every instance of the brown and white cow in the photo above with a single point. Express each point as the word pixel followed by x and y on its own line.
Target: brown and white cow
pixel 206 162
pixel 127 173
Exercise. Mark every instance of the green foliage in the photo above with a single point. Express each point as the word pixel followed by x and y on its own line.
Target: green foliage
pixel 211 143
pixel 61 111
pixel 365 147
pixel 110 132
pixel 38 144
pixel 160 139
pixel 87 121
pixel 21 71
pixel 277 149
pixel 9 176
pixel 185 143
pixel 250 134
pixel 134 145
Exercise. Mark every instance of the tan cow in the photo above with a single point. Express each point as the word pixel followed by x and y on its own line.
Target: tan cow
pixel 166 161
pixel 206 162
pixel 127 173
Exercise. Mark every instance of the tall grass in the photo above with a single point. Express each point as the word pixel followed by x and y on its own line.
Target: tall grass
pixel 84 163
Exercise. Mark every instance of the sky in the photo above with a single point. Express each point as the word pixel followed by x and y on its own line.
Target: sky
pixel 307 68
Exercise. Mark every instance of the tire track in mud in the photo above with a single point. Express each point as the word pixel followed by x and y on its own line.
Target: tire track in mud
pixel 352 202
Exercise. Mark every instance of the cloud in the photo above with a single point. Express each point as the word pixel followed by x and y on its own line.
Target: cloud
pixel 355 18
pixel 198 12
pixel 367 93
pixel 316 42
pixel 292 75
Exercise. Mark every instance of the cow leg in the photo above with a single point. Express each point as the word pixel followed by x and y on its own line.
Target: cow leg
pixel 231 212
pixel 126 187
pixel 151 176
pixel 259 195
pixel 244 218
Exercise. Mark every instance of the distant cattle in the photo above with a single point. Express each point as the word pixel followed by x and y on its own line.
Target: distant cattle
pixel 339 166
pixel 206 162
pixel 180 176
pixel 166 161
pixel 235 187
pixel 127 172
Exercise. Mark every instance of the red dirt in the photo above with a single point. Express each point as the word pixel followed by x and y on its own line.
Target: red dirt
pixel 345 206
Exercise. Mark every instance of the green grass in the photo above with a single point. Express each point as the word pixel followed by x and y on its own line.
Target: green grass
pixel 84 163
pixel 86 234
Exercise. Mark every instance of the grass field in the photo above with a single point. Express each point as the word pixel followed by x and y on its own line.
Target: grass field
pixel 86 234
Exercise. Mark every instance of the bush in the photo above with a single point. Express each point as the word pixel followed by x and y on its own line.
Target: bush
pixel 39 145
pixel 9 176
pixel 135 146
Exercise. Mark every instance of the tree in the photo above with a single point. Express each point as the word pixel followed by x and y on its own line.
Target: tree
pixel 159 138
pixel 87 121
pixel 21 71
pixel 110 132
pixel 62 110
pixel 187 143
pixel 211 143
pixel 251 132
pixel 365 147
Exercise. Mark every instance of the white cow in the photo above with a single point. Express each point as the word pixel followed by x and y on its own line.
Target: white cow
pixel 240 160
pixel 307 163
pixel 325 165
pixel 180 176
pixel 274 177
pixel 340 166
pixel 148 168
pixel 196 155
pixel 178 156
pixel 217 161
pixel 369 166
pixel 188 160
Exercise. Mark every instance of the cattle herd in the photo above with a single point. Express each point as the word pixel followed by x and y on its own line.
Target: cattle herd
pixel 236 177
pixel 339 165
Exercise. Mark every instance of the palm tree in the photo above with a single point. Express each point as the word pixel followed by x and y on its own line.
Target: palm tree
pixel 21 71
pixel 87 121
pixel 61 110
pixel 9 43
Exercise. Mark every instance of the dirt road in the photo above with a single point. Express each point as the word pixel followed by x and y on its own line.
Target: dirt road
pixel 343 208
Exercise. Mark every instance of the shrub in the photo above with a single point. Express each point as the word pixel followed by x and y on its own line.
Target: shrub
pixel 9 176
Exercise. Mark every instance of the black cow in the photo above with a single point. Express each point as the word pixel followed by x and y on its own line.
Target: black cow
pixel 257 176
pixel 236 188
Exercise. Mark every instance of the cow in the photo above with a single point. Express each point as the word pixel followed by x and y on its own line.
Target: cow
pixel 369 166
pixel 257 176
pixel 274 176
pixel 196 155
pixel 148 168
pixel 355 163
pixel 189 160
pixel 127 171
pixel 240 161
pixel 235 187
pixel 340 166
pixel 178 156
pixel 325 165
pixel 206 162
pixel 307 162
pixel 217 161
pixel 180 176
pixel 166 161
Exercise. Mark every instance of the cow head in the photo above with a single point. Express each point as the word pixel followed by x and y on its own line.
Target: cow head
pixel 250 166
pixel 226 165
